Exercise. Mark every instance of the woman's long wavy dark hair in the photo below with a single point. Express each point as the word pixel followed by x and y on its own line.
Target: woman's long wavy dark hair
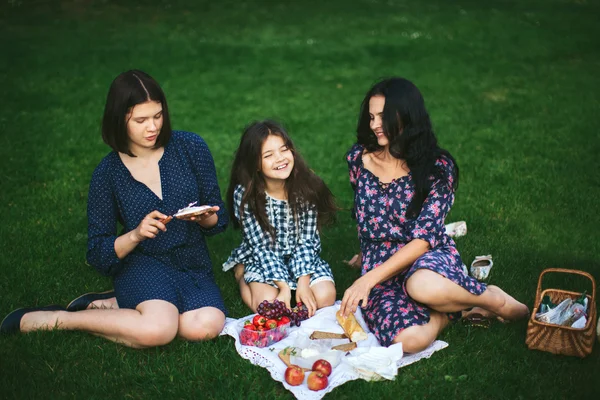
pixel 302 186
pixel 407 126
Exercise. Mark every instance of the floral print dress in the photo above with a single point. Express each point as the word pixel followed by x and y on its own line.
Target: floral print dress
pixel 383 229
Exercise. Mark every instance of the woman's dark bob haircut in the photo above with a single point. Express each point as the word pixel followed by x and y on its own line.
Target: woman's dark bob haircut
pixel 128 90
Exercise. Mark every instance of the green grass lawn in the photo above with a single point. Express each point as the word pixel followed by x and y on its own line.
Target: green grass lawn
pixel 512 88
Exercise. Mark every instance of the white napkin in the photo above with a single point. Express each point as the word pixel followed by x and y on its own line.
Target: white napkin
pixel 382 361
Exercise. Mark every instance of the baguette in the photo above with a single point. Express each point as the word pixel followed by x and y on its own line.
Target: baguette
pixel 351 326
pixel 345 347
pixel 327 335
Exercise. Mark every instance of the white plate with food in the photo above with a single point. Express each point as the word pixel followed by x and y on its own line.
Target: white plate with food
pixel 192 210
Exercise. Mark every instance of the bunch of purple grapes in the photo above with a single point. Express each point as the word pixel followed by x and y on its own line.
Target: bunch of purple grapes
pixel 277 309
pixel 298 314
pixel 273 310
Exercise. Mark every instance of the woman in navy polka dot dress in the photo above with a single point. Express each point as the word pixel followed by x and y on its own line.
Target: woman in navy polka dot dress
pixel 161 269
pixel 412 279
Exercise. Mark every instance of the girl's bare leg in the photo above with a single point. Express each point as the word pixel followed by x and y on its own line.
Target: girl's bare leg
pixel 443 295
pixel 418 337
pixel 152 323
pixel 260 292
pixel 202 324
pixel 238 273
pixel 324 293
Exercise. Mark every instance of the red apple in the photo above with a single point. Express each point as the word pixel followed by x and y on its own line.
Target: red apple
pixel 322 366
pixel 294 375
pixel 317 381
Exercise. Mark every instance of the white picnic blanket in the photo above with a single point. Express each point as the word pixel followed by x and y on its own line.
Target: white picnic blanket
pixel 323 320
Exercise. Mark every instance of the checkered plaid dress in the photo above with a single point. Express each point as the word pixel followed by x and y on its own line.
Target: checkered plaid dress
pixel 294 253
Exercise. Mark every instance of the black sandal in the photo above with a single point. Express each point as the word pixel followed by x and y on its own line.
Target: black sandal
pixel 12 322
pixel 477 320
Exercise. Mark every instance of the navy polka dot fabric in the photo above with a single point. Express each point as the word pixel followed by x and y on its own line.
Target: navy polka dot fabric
pixel 175 266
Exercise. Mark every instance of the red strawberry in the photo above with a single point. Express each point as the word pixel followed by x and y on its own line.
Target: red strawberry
pixel 259 320
pixel 271 324
pixel 284 320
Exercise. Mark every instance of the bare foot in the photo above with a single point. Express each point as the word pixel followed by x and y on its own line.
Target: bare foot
pixel 355 261
pixel 104 304
pixel 506 306
pixel 39 320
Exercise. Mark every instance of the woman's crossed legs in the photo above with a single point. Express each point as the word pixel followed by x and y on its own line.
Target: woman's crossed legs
pixel 443 296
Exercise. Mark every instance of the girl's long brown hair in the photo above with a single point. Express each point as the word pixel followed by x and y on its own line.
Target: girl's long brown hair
pixel 302 186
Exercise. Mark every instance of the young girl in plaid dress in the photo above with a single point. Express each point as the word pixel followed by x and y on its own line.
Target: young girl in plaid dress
pixel 280 204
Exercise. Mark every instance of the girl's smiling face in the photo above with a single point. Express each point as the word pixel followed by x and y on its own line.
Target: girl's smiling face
pixel 277 160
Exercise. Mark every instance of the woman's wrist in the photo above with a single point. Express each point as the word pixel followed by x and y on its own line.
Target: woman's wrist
pixel 370 278
pixel 125 244
pixel 133 237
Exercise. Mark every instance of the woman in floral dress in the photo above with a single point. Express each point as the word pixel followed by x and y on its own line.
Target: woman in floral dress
pixel 412 280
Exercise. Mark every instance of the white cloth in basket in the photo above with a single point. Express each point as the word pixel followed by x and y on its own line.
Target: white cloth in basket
pixel 323 320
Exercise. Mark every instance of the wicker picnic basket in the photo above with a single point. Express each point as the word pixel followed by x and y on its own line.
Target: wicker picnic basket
pixel 559 339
